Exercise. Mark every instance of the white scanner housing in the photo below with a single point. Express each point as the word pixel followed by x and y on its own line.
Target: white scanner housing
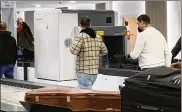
pixel 53 31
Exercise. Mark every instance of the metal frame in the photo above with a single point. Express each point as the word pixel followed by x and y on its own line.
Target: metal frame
pixel 26 84
pixel 128 15
pixel 118 72
pixel 12 5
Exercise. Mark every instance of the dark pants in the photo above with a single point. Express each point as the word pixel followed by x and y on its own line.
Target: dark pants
pixel 29 55
pixel 7 70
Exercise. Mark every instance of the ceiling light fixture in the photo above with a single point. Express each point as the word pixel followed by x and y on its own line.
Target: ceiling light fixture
pixel 37 5
pixel 72 1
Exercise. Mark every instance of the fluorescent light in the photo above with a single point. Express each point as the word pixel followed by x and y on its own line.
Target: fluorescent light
pixel 37 5
pixel 72 1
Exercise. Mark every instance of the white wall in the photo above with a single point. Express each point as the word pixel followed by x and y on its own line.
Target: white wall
pixel 108 5
pixel 128 8
pixel 23 10
pixel 173 23
pixel 21 14
pixel 82 6
pixel 8 16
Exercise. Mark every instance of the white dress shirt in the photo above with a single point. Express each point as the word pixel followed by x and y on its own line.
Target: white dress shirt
pixel 151 49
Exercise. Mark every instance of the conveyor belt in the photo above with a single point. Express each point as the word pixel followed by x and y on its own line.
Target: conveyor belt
pixel 9 108
pixel 25 84
pixel 118 72
pixel 12 91
pixel 10 97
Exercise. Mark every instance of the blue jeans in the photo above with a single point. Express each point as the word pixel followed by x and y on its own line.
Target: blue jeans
pixel 86 81
pixel 7 70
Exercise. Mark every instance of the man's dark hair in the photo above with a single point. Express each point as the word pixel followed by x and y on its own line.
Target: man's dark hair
pixel 3 26
pixel 144 18
pixel 85 21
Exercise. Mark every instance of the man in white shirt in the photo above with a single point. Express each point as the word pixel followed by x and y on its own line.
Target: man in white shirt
pixel 151 48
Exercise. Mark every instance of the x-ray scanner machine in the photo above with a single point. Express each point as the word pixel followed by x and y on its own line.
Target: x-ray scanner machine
pixel 53 31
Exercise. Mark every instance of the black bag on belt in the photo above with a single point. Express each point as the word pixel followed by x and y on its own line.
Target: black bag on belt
pixel 153 90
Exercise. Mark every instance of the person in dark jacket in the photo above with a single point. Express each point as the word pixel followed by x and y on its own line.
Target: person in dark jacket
pixel 176 49
pixel 8 52
pixel 25 40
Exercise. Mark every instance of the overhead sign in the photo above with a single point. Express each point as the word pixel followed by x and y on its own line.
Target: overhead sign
pixel 101 33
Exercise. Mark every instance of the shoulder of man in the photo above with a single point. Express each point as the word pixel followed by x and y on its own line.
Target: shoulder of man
pixel 159 33
pixel 12 39
pixel 99 37
pixel 141 34
pixel 82 35
pixel 147 32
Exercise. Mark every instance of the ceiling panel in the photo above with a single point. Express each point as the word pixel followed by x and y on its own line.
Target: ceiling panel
pixel 52 4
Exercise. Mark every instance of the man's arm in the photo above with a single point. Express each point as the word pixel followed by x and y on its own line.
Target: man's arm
pixel 176 49
pixel 14 50
pixel 29 31
pixel 75 48
pixel 139 45
pixel 104 50
pixel 167 55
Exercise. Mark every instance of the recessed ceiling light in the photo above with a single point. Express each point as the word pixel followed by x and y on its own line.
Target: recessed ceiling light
pixel 37 5
pixel 72 1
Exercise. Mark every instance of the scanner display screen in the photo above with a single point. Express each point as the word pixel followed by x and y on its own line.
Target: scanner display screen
pixel 115 46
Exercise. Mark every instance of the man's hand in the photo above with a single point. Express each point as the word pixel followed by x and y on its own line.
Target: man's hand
pixel 128 56
pixel 176 65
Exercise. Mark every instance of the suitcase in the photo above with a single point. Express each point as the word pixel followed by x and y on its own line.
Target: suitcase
pixel 153 90
pixel 76 99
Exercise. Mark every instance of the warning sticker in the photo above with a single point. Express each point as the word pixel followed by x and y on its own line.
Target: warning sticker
pixel 46 27
pixel 101 33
